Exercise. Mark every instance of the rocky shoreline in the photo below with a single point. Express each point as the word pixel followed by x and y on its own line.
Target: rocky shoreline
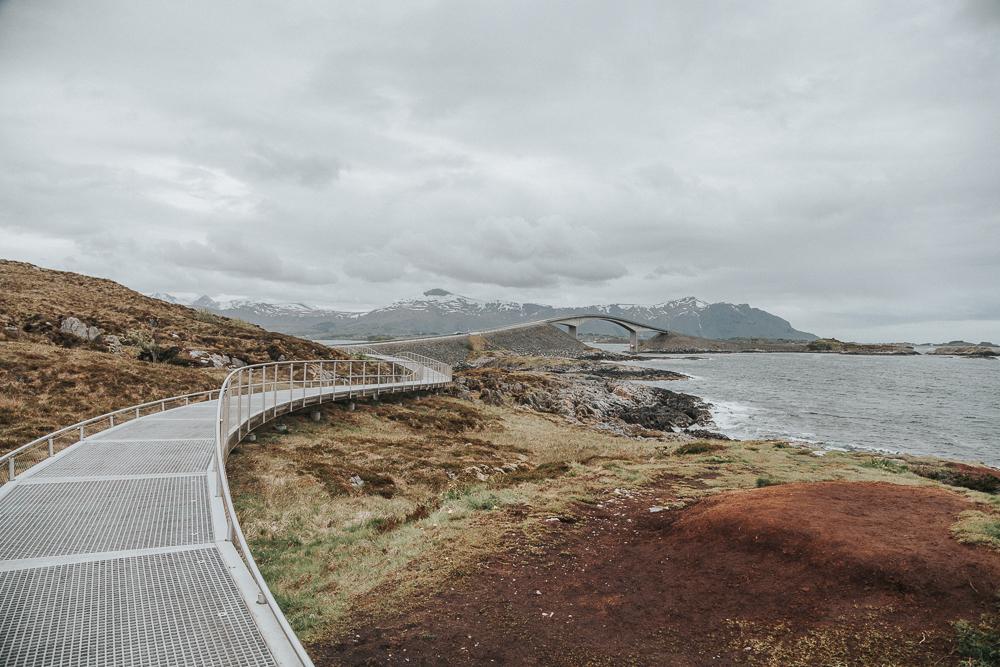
pixel 972 351
pixel 672 343
pixel 596 394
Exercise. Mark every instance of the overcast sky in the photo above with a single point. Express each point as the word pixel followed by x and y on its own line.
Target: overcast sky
pixel 836 163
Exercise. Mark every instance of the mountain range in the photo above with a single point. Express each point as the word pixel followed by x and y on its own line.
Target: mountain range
pixel 438 311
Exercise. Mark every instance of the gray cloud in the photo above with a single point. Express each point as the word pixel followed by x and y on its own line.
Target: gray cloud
pixel 833 162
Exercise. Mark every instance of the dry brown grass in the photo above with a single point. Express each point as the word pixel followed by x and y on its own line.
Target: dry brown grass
pixel 34 301
pixel 49 379
pixel 43 388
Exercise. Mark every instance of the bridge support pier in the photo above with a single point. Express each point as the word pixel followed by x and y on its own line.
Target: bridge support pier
pixel 633 341
pixel 571 329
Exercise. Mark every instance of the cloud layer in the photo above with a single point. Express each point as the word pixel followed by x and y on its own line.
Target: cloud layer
pixel 836 163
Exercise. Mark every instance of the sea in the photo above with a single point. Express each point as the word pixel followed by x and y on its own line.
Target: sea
pixel 928 405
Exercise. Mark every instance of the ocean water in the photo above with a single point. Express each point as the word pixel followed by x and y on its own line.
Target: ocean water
pixel 941 406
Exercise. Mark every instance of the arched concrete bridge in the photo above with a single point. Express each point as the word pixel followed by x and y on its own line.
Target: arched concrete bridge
pixel 573 323
pixel 119 544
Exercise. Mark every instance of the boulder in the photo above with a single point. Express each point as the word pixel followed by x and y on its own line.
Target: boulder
pixel 114 344
pixel 75 327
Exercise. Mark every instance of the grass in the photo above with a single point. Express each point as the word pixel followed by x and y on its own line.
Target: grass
pixel 698 447
pixel 888 465
pixel 43 388
pixel 49 379
pixel 463 475
pixel 978 527
pixel 466 478
pixel 979 642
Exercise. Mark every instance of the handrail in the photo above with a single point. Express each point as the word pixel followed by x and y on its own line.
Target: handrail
pixel 303 384
pixel 9 462
pixel 387 373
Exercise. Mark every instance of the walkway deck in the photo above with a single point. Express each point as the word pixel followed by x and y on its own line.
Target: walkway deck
pixel 115 551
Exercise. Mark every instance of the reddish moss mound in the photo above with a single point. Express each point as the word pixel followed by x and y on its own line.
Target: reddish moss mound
pixel 791 574
pixel 848 543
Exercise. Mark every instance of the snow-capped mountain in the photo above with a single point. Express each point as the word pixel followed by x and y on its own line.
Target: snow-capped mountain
pixel 440 311
pixel 284 317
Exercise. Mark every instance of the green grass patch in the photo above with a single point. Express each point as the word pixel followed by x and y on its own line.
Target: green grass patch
pixel 979 643
pixel 767 481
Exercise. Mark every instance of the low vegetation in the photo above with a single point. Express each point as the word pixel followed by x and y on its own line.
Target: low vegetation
pixel 50 377
pixel 979 642
pixel 357 519
pixel 43 388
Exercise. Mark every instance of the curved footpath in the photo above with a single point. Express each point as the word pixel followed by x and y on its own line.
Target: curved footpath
pixel 116 550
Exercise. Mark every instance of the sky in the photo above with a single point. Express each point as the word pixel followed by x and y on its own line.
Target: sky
pixel 835 163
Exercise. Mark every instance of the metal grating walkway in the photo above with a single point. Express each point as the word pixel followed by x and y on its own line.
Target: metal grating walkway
pixel 111 555
pixel 116 550
pixel 104 515
pixel 132 457
pixel 177 608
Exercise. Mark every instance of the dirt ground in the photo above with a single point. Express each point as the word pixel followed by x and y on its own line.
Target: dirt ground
pixel 821 573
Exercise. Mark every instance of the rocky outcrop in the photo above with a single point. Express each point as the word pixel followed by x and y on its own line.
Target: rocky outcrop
pixel 622 407
pixel 215 360
pixel 672 343
pixel 74 327
pixel 114 344
pixel 974 351
pixel 840 347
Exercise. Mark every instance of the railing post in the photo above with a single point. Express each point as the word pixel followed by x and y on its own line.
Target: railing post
pixel 239 402
pixel 81 432
pixel 52 448
pixel 163 406
pixel 111 418
pixel 10 469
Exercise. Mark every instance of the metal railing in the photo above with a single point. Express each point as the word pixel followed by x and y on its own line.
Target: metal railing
pixel 254 395
pixel 17 461
pixel 426 363
pixel 251 396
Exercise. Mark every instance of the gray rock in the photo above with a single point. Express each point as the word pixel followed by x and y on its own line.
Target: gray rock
pixel 218 360
pixel 75 327
pixel 114 344
pixel 238 363
pixel 356 481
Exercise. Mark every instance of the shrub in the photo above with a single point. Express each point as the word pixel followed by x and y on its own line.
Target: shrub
pixel 888 465
pixel 766 481
pixel 698 447
pixel 967 479
pixel 979 642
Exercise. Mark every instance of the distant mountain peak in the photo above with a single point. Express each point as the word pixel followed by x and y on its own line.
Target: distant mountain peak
pixel 440 311
pixel 163 296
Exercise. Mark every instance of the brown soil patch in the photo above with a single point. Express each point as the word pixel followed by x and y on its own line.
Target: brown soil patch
pixel 852 573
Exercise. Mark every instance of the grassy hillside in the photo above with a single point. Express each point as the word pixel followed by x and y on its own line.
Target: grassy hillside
pixel 139 349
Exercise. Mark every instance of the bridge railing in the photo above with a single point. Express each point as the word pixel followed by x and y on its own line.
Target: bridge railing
pixel 254 395
pixel 428 364
pixel 18 461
